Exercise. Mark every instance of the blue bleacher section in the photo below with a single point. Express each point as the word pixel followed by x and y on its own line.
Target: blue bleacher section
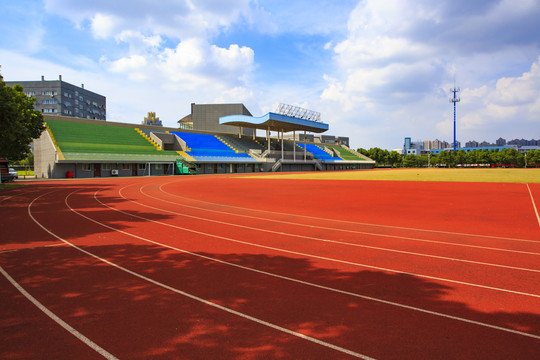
pixel 205 147
pixel 319 153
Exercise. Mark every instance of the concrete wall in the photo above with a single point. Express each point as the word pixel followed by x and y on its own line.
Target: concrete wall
pixel 44 156
pixel 205 117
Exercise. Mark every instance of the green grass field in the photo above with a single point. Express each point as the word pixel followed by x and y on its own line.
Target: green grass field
pixel 432 174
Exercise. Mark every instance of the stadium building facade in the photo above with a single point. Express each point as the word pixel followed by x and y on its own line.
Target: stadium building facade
pixel 58 97
pixel 73 147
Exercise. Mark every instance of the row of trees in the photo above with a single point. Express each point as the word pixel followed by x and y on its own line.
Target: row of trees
pixel 494 157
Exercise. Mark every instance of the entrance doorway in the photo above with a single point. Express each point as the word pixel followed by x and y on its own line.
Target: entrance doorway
pixel 97 170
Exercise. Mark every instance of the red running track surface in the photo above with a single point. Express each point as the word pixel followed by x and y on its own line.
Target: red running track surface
pixel 226 267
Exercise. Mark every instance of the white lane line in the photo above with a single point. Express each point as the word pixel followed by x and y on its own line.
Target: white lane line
pixel 344 221
pixel 55 318
pixel 295 252
pixel 196 298
pixel 336 229
pixel 293 279
pixel 317 256
pixel 355 231
pixel 534 205
pixel 282 233
pixel 31 248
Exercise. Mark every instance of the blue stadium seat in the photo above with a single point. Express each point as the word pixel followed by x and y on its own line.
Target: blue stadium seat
pixel 205 147
pixel 319 153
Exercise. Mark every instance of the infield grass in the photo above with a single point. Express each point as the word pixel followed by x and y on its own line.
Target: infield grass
pixel 431 174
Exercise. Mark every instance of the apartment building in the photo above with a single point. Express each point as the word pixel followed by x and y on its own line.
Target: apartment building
pixel 57 97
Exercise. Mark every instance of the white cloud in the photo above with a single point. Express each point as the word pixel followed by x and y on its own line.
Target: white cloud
pixel 104 25
pixel 397 62
pixel 172 18
pixel 513 102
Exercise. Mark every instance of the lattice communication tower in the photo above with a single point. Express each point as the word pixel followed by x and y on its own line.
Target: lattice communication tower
pixel 455 100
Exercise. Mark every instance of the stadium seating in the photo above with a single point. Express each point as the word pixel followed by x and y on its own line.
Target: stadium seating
pixel 319 153
pixel 243 144
pixel 86 138
pixel 205 147
pixel 345 154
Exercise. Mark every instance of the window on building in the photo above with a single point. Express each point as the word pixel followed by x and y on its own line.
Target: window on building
pixel 86 167
pixel 126 166
pixel 142 166
pixel 159 166
pixel 106 166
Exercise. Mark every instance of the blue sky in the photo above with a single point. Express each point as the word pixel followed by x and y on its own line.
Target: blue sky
pixel 378 71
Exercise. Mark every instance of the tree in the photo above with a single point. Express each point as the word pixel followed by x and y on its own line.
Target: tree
pixel 533 158
pixel 409 161
pixel 446 158
pixel 394 158
pixel 460 157
pixel 483 157
pixel 363 152
pixel 19 122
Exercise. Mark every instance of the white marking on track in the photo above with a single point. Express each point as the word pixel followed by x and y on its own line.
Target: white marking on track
pixel 282 233
pixel 191 296
pixel 31 248
pixel 344 221
pixel 337 229
pixel 312 255
pixel 55 318
pixel 534 205
pixel 291 279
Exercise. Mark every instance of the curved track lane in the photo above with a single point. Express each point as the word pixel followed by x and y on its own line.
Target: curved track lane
pixel 142 270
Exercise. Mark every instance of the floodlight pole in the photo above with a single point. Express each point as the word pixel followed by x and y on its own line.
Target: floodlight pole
pixel 455 100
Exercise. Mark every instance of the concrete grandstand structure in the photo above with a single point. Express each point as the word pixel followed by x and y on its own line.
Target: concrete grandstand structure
pixel 72 147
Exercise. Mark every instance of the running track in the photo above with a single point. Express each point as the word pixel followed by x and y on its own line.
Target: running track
pixel 224 267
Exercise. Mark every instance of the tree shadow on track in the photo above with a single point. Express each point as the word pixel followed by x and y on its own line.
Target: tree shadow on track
pixel 132 318
pixel 47 205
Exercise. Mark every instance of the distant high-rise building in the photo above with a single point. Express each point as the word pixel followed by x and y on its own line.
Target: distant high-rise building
pixel 438 144
pixel 61 98
pixel 524 142
pixel 500 142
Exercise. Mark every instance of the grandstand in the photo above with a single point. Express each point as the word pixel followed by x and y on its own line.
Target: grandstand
pixel 211 148
pixel 73 147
